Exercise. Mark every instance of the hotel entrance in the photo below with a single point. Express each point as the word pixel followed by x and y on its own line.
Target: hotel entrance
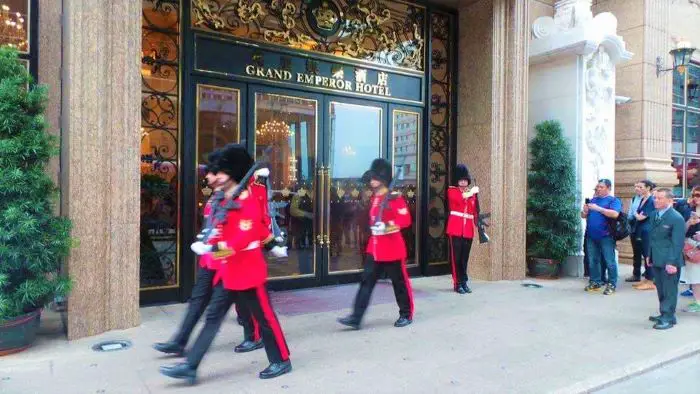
pixel 316 89
pixel 318 147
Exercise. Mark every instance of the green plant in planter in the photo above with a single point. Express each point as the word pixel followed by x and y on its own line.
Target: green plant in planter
pixel 33 240
pixel 553 222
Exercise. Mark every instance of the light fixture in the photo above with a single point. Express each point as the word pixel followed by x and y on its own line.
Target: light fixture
pixel 12 30
pixel 681 58
pixel 272 131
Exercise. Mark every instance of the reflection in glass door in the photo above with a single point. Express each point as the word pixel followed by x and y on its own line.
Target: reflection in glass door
pixel 218 123
pixel 286 137
pixel 355 139
pixel 406 126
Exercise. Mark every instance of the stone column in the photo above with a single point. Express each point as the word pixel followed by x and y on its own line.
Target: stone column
pixel 643 148
pixel 573 58
pixel 492 127
pixel 100 161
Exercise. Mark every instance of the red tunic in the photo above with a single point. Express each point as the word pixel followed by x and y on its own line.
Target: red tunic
pixel 241 264
pixel 389 247
pixel 259 193
pixel 460 221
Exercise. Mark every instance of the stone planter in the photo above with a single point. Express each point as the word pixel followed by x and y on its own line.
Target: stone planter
pixel 543 268
pixel 19 333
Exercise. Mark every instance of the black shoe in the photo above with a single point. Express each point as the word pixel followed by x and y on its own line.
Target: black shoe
pixel 633 278
pixel 169 348
pixel 663 325
pixel 240 321
pixel 403 322
pixel 350 322
pixel 276 369
pixel 466 289
pixel 180 371
pixel 459 289
pixel 657 319
pixel 248 346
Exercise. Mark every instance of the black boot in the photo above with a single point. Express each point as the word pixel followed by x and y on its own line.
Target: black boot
pixel 248 346
pixel 169 348
pixel 459 289
pixel 403 322
pixel 466 288
pixel 180 371
pixel 276 369
pixel 350 321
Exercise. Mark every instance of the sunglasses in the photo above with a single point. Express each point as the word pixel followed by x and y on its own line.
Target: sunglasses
pixel 695 195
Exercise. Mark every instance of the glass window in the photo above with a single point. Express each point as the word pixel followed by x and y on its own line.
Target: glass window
pixel 677 131
pixel 14 24
pixel 685 128
pixel 160 135
pixel 693 87
pixel 678 167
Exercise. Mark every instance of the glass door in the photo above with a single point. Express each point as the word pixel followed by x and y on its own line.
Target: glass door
pixel 286 133
pixel 355 136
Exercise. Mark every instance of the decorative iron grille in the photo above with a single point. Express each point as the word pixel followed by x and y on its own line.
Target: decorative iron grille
pixel 441 74
pixel 383 32
pixel 160 133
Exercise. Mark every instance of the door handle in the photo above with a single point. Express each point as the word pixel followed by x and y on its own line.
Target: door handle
pixel 320 209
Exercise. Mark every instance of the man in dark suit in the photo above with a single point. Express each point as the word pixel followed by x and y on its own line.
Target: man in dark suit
pixel 666 237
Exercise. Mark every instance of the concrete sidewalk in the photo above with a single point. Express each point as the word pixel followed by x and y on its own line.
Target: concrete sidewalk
pixel 503 338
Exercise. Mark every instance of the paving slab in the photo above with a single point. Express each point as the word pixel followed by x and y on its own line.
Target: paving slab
pixel 503 338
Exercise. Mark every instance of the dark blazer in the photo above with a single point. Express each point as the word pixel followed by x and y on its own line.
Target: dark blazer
pixel 666 238
pixel 647 210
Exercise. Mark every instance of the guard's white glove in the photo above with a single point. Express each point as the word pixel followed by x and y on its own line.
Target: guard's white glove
pixel 279 239
pixel 263 172
pixel 474 190
pixel 378 228
pixel 212 233
pixel 201 248
pixel 279 251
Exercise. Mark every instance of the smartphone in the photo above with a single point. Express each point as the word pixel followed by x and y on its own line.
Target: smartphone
pixel 588 201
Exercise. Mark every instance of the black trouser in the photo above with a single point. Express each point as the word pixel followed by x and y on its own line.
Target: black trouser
pixel 459 259
pixel 201 295
pixel 396 270
pixel 253 302
pixel 639 253
pixel 667 291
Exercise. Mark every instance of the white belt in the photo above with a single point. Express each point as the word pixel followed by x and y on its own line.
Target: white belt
pixel 252 245
pixel 462 215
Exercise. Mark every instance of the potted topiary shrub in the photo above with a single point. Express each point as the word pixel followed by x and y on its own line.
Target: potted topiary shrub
pixel 33 240
pixel 553 222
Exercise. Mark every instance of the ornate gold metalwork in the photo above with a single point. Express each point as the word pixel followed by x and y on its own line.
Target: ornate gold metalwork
pixel 379 31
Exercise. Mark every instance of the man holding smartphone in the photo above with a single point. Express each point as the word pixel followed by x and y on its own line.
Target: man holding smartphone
pixel 600 243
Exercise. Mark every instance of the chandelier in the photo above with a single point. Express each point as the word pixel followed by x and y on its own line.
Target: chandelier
pixel 12 31
pixel 272 131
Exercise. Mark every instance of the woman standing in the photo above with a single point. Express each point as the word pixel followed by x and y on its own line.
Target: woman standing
pixel 461 226
pixel 690 274
pixel 640 236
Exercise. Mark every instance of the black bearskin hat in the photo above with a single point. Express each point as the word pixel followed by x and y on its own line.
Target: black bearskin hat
pixel 235 161
pixel 380 170
pixel 462 172
pixel 366 177
pixel 213 162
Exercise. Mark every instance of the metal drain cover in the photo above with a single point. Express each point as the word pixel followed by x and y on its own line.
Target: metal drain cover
pixel 532 285
pixel 111 346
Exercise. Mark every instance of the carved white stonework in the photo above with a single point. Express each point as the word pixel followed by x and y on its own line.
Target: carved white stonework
pixel 599 110
pixel 573 58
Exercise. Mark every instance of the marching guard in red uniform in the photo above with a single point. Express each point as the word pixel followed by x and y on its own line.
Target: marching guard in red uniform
pixel 461 226
pixel 241 273
pixel 203 288
pixel 386 249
